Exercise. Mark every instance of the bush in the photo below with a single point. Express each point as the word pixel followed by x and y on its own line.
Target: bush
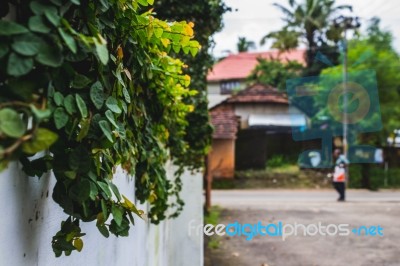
pixel 276 161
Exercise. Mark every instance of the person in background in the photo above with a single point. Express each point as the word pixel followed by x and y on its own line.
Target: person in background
pixel 339 174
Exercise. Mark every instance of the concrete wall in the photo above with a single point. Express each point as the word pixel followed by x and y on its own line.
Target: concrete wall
pixel 222 158
pixel 30 218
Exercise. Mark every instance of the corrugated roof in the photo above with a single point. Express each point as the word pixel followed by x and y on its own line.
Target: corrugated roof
pixel 259 93
pixel 224 121
pixel 239 66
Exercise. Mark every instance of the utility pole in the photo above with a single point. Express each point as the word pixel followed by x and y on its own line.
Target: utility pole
pixel 345 23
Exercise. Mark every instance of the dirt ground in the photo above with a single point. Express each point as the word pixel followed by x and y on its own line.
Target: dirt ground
pixel 312 250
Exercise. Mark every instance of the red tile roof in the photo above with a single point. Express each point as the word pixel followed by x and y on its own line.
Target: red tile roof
pixel 258 93
pixel 225 122
pixel 239 66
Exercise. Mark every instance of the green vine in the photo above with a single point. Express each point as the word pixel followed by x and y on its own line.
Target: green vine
pixel 89 85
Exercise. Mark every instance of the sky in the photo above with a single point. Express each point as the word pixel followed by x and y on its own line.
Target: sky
pixel 256 18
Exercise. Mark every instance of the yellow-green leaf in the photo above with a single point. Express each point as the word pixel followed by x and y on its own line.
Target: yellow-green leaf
pixel 11 123
pixel 42 140
pixel 78 244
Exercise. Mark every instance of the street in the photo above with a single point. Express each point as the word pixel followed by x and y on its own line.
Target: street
pixel 363 208
pixel 271 197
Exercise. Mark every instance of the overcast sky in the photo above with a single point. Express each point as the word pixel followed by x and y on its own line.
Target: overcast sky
pixel 255 18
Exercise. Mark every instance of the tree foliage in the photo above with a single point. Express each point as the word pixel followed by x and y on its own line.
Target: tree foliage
pixel 274 73
pixel 244 45
pixel 308 22
pixel 375 51
pixel 96 83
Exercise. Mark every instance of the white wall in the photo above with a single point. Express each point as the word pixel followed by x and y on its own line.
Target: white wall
pixel 247 109
pixel 29 219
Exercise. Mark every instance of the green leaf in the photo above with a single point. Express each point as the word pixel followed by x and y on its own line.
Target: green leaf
pixel 103 230
pixel 22 88
pixel 194 51
pixel 112 104
pixel 85 126
pixel 76 2
pixel 158 32
pixel 126 95
pixel 51 14
pixel 110 117
pixel 105 127
pixel 176 48
pixel 11 123
pixel 105 4
pixel 80 81
pixel 78 244
pixel 60 117
pixel 42 140
pixel 105 188
pixel 39 113
pixel 115 190
pixel 70 174
pixel 97 94
pixel 27 44
pixel 143 2
pixel 18 65
pixel 186 49
pixel 8 28
pixel 93 191
pixel 58 98
pixel 79 160
pixel 151 2
pixel 102 52
pixel 49 56
pixel 92 177
pixel 68 39
pixel 3 49
pixel 129 205
pixel 104 208
pixel 37 24
pixel 70 104
pixel 117 214
pixel 38 8
pixel 81 105
pixel 80 191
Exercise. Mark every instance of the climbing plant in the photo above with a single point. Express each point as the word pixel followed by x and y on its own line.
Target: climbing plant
pixel 207 15
pixel 89 85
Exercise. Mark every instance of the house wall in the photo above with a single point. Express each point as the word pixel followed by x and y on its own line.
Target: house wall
pixel 30 218
pixel 213 88
pixel 246 109
pixel 222 161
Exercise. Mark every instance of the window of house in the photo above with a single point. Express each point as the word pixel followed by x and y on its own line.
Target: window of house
pixel 227 87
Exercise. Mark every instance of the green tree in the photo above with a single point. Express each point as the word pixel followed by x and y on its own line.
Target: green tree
pixel 274 73
pixel 207 18
pixel 308 22
pixel 373 51
pixel 244 45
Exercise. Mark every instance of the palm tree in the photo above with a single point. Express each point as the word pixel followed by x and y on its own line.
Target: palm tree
pixel 244 45
pixel 307 22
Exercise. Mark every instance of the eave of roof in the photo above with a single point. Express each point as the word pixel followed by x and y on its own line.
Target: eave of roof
pixel 259 93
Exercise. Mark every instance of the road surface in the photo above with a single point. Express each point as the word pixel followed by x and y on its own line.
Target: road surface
pixel 263 198
pixel 363 208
